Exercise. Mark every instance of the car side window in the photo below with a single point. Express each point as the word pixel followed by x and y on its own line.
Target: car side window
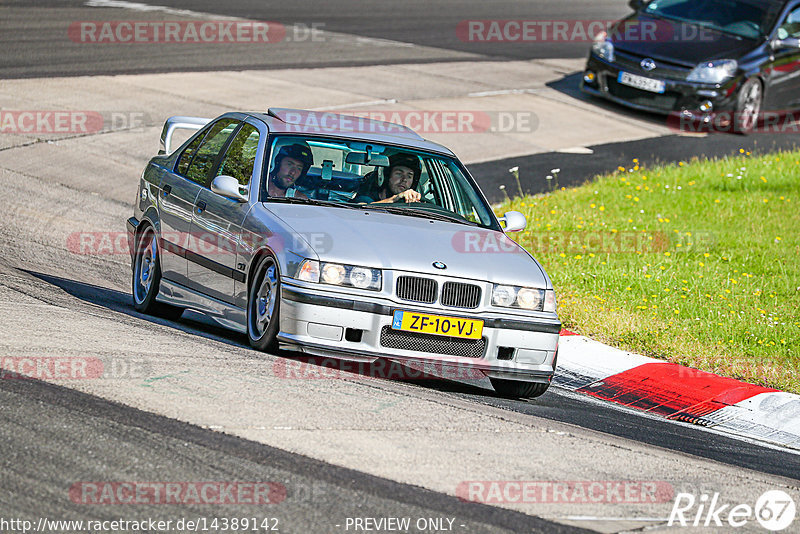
pixel 209 149
pixel 188 152
pixel 241 155
pixel 790 26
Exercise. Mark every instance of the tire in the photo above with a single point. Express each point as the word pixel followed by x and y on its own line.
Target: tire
pixel 147 277
pixel 264 304
pixel 518 389
pixel 748 107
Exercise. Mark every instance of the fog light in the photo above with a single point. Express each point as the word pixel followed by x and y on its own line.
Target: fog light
pixel 706 106
pixel 589 77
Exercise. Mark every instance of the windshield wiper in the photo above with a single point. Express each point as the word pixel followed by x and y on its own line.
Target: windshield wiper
pixel 312 201
pixel 421 212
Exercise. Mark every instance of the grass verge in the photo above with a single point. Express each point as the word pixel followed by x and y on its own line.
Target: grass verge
pixel 695 263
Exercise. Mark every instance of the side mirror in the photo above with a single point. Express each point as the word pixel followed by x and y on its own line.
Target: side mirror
pixel 228 187
pixel 514 221
pixel 636 5
pixel 790 43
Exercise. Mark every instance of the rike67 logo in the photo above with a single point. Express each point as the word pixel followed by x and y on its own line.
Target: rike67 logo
pixel 774 510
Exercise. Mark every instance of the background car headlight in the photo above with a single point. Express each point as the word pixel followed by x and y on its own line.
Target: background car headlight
pixel 602 47
pixel 338 274
pixel 526 298
pixel 713 71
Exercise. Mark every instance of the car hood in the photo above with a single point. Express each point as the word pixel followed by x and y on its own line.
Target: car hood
pixel 372 238
pixel 675 41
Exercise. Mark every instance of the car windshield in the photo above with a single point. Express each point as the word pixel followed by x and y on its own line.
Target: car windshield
pixel 736 17
pixel 357 174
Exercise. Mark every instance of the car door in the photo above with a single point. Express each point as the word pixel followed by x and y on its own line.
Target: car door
pixel 178 192
pixel 784 86
pixel 217 220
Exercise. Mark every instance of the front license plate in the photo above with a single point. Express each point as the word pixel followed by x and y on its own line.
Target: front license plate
pixel 641 82
pixel 439 325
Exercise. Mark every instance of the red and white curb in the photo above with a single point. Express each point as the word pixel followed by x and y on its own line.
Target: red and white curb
pixel 675 392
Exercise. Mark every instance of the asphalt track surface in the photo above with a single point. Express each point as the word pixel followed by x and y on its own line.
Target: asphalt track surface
pixel 54 437
pixel 576 169
pixel 35 37
pixel 556 404
pixel 35 43
pixel 83 438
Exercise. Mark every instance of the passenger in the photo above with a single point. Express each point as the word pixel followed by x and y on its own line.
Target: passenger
pixel 291 164
pixel 401 179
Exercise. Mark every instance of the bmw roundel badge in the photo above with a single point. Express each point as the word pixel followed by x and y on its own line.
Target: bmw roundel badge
pixel 439 265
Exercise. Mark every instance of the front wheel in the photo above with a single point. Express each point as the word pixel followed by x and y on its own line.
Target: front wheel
pixel 263 305
pixel 518 389
pixel 748 107
pixel 147 277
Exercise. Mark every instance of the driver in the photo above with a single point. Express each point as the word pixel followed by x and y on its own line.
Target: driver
pixel 291 164
pixel 401 179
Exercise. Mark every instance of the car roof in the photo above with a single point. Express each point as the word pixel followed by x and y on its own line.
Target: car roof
pixel 336 125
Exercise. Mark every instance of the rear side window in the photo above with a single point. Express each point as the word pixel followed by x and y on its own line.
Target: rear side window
pixel 241 155
pixel 208 151
pixel 186 157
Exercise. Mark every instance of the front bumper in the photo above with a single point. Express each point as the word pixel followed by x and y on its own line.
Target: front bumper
pixel 324 323
pixel 679 99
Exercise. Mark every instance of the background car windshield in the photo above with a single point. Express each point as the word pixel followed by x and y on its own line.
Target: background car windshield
pixel 736 17
pixel 441 182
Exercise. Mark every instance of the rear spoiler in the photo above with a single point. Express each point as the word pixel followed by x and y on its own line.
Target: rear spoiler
pixel 179 123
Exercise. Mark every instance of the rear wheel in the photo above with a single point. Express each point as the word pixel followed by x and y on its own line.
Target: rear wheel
pixel 516 388
pixel 147 277
pixel 263 305
pixel 748 107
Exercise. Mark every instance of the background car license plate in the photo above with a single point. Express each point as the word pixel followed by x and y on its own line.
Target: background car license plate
pixel 439 325
pixel 641 82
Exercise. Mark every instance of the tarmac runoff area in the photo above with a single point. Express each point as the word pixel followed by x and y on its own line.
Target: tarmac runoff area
pixel 55 303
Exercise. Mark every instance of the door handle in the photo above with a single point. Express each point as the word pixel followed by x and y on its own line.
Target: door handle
pixel 166 190
pixel 201 206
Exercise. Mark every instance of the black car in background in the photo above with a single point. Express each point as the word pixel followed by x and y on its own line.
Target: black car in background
pixel 717 63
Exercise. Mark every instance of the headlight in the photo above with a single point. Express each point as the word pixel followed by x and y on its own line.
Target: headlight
pixel 530 299
pixel 716 71
pixel 309 271
pixel 504 295
pixel 602 47
pixel 526 298
pixel 337 274
pixel 333 273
